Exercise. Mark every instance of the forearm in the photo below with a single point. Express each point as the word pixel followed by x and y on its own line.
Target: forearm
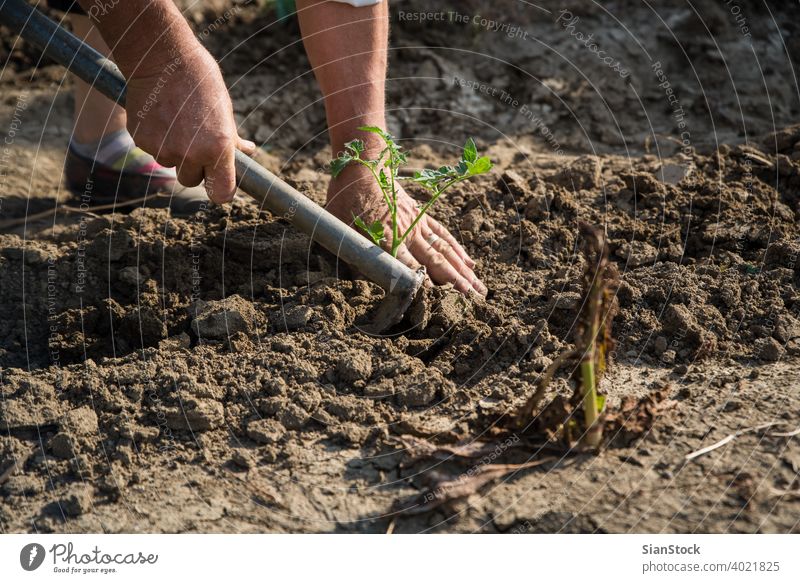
pixel 144 35
pixel 347 49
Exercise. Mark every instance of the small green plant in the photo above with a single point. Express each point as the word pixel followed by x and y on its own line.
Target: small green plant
pixel 385 169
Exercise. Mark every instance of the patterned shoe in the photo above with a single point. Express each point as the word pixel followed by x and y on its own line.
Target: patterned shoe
pixel 127 175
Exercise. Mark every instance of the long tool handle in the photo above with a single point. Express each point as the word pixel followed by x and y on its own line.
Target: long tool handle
pixel 273 193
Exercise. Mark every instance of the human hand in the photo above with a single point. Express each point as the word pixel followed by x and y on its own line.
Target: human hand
pixel 430 244
pixel 181 114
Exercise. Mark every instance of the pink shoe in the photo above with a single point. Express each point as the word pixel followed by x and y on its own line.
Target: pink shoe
pixel 98 184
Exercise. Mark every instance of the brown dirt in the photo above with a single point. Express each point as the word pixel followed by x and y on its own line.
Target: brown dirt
pixel 209 374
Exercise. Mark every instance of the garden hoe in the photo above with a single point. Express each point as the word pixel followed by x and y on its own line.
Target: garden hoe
pixel 400 283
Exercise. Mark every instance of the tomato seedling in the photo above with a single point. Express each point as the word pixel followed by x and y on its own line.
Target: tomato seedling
pixel 385 170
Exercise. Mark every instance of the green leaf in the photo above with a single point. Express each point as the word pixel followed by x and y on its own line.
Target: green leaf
pixel 601 402
pixel 470 151
pixel 375 230
pixel 384 180
pixel 355 146
pixel 387 137
pixel 480 166
pixel 340 163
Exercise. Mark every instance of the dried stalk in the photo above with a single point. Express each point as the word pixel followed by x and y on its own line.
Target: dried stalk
pixel 593 332
pixel 593 340
pixel 90 211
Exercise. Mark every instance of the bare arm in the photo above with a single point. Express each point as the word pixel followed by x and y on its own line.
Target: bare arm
pixel 178 106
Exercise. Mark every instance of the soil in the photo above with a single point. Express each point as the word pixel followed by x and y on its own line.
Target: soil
pixel 210 374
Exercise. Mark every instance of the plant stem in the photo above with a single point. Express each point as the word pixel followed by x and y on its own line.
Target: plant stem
pixel 428 205
pixel 594 432
pixel 375 175
pixel 590 412
pixel 395 243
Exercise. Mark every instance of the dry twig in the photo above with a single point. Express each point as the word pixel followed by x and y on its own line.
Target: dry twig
pixel 696 454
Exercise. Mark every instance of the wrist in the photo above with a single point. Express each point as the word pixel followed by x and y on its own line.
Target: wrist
pixel 343 133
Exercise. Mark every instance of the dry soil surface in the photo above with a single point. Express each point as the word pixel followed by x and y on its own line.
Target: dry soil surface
pixel 211 374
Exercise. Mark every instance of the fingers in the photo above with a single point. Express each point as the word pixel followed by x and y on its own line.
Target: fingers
pixel 439 230
pixel 190 174
pixel 444 264
pixel 246 146
pixel 220 178
pixel 405 257
pixel 218 183
pixel 454 259
pixel 439 269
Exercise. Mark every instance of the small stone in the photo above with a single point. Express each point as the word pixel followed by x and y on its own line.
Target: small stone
pixel 242 459
pixel 146 434
pixel 731 406
pixel 296 318
pixel 130 276
pixel 660 345
pixel 567 300
pixel 668 357
pixel 680 369
pixel 786 328
pixel 77 501
pixel 63 446
pixel 675 173
pixel 637 254
pixel 769 349
pixel 265 431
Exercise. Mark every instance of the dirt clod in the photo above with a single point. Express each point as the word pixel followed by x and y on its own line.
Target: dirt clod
pixel 78 500
pixel 217 320
pixel 769 349
pixel 265 431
